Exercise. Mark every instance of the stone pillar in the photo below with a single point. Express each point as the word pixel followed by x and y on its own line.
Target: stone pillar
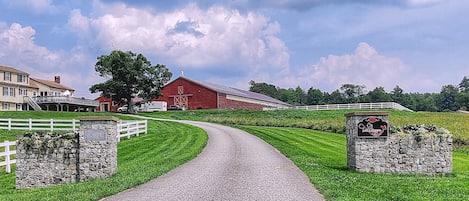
pixel 364 128
pixel 98 147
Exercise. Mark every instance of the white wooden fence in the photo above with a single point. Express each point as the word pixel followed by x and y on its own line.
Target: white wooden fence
pixel 39 124
pixel 128 128
pixel 124 129
pixel 352 106
pixel 7 155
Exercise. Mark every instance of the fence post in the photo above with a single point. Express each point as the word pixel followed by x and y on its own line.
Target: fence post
pixel 51 125
pixel 73 124
pixel 128 130
pixel 9 124
pixel 30 124
pixel 7 157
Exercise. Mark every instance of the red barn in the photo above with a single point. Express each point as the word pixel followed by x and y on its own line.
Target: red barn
pixel 191 94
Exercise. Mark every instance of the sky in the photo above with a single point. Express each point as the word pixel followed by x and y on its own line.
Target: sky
pixel 420 45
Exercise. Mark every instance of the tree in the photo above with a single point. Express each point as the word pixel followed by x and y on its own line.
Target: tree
pixel 378 95
pixel 447 98
pixel 464 85
pixel 335 98
pixel 129 75
pixel 352 92
pixel 314 97
pixel 264 88
pixel 301 96
pixel 463 97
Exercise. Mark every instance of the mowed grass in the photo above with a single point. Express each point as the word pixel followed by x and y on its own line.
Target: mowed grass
pixel 322 156
pixel 140 159
pixel 330 121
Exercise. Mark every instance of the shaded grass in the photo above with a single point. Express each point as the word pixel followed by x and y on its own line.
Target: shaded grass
pixel 140 159
pixel 322 156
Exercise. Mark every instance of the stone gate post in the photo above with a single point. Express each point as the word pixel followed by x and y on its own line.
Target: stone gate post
pixel 98 147
pixel 365 130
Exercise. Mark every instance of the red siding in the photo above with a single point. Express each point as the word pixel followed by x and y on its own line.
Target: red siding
pixel 102 99
pixel 200 97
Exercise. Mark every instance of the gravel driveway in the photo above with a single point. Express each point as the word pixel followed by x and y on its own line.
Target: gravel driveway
pixel 234 165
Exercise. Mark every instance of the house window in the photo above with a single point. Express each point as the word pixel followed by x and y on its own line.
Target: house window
pixel 8 91
pixel 18 107
pixel 6 106
pixel 23 92
pixel 7 76
pixel 22 78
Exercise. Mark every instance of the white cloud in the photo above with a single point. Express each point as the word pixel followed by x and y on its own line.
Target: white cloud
pixel 35 6
pixel 78 23
pixel 191 36
pixel 418 3
pixel 364 67
pixel 19 40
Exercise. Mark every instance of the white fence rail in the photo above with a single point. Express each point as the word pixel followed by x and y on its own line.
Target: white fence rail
pixel 124 129
pixel 6 155
pixel 128 128
pixel 352 106
pixel 39 124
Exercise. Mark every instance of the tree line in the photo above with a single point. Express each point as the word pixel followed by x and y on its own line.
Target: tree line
pixel 450 98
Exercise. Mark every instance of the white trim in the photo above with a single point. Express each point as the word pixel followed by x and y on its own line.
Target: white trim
pixel 254 101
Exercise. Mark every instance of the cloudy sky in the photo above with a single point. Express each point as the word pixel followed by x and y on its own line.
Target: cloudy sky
pixel 419 45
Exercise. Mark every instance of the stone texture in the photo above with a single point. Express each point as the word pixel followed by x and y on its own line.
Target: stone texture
pixel 97 157
pixel 40 164
pixel 430 153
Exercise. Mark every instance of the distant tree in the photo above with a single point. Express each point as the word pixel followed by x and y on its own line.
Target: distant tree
pixel 463 100
pixel 352 92
pixel 288 96
pixel 264 88
pixel 336 98
pixel 397 94
pixel 463 97
pixel 464 85
pixel 301 96
pixel 378 95
pixel 424 102
pixel 447 99
pixel 314 97
pixel 129 75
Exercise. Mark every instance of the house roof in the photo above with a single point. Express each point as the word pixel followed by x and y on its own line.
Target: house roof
pixel 13 70
pixel 52 84
pixel 236 92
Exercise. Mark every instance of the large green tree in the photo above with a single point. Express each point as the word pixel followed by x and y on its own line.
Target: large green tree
pixel 129 75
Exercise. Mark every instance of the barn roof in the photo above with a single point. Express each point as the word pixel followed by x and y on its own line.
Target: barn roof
pixel 237 92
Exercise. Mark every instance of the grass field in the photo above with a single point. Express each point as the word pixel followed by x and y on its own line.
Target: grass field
pixel 140 159
pixel 330 121
pixel 322 156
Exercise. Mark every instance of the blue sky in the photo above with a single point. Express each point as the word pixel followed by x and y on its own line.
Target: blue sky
pixel 419 45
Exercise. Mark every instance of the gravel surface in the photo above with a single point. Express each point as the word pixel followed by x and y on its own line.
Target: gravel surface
pixel 234 165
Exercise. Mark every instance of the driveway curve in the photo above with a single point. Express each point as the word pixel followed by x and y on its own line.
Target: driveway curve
pixel 234 165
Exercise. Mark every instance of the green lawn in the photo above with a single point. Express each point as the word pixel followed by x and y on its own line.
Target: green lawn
pixel 322 156
pixel 330 121
pixel 140 159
